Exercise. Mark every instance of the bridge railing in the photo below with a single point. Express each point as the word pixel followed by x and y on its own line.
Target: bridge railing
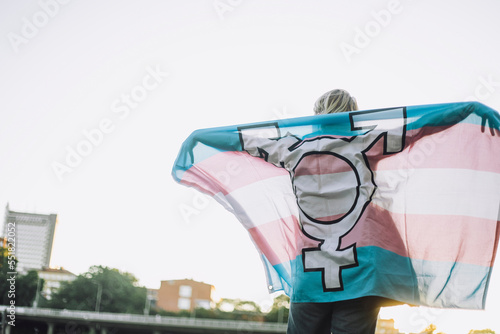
pixel 109 318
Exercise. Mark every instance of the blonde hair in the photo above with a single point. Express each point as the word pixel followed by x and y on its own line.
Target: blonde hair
pixel 334 101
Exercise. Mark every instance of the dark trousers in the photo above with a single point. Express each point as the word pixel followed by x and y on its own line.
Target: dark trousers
pixel 356 316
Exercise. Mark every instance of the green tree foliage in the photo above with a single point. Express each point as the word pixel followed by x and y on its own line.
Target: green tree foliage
pixel 27 288
pixel 103 289
pixel 237 309
pixel 226 309
pixel 14 287
pixel 4 269
pixel 430 330
pixel 279 311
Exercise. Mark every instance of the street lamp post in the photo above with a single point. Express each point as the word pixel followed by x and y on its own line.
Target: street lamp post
pixel 98 297
pixel 147 305
pixel 37 297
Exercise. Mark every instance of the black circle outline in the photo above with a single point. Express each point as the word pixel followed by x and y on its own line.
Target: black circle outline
pixel 357 186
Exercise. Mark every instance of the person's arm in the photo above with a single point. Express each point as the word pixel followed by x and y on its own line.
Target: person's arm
pixel 265 142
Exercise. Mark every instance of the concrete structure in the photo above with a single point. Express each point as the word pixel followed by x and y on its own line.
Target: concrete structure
pixel 53 278
pixel 186 294
pixel 69 321
pixel 32 234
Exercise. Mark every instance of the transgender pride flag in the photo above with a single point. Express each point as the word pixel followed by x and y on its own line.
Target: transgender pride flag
pixel 402 203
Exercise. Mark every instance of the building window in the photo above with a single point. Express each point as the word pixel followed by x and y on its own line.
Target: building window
pixel 184 304
pixel 185 291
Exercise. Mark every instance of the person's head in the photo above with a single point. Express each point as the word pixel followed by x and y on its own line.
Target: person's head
pixel 334 101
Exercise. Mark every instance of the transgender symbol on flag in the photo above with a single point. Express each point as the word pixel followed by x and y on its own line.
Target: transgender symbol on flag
pixel 332 181
pixel 401 203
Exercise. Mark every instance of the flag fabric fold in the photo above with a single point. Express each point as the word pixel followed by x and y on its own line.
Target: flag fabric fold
pixel 402 203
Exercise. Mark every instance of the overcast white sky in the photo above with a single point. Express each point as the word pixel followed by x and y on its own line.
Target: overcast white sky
pixel 137 77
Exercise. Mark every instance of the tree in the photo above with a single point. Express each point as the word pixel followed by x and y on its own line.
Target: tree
pixel 246 306
pixel 27 286
pixel 280 309
pixel 14 287
pixel 430 330
pixel 227 309
pixel 238 309
pixel 5 268
pixel 101 289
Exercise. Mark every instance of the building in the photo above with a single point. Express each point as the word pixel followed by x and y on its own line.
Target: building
pixel 186 294
pixel 386 326
pixel 53 277
pixel 33 236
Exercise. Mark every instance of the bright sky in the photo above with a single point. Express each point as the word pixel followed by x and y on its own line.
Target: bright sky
pixel 124 82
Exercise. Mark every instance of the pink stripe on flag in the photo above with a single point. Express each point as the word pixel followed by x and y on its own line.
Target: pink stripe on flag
pixel 427 237
pixel 280 240
pixel 320 164
pixel 331 218
pixel 428 147
pixel 228 171
pixel 442 147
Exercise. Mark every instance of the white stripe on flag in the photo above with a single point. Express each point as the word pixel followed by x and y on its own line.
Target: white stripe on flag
pixel 439 192
pixel 265 201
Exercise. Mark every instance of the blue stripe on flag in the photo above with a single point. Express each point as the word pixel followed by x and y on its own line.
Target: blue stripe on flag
pixel 447 284
pixel 204 143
